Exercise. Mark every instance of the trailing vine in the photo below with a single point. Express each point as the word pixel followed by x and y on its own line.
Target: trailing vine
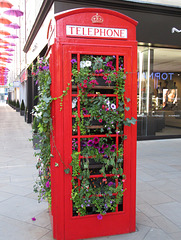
pixel 43 126
pixel 104 194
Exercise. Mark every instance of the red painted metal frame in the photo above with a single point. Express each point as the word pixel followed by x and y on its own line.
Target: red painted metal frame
pixel 65 226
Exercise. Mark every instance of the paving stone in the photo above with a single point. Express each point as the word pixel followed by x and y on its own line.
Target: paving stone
pixel 170 210
pixel 165 224
pixel 12 229
pixel 148 210
pixel 176 236
pixel 154 197
pixel 157 234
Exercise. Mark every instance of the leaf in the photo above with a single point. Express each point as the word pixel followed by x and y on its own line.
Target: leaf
pixel 128 99
pixel 120 160
pixel 127 108
pixel 67 170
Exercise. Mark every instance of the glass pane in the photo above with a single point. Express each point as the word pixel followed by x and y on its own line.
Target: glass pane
pixel 159 92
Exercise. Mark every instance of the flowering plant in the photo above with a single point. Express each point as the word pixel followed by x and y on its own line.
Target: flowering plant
pixel 97 168
pixel 41 114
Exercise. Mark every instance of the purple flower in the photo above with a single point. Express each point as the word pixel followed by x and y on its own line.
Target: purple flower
pixel 105 156
pixel 99 217
pixel 113 148
pixel 90 143
pixel 85 112
pixel 73 61
pixel 82 205
pixel 47 184
pixel 101 150
pixel 83 144
pixel 104 146
pixel 33 219
pixel 110 184
pixel 96 140
pixel 105 206
pixel 45 68
pixel 101 71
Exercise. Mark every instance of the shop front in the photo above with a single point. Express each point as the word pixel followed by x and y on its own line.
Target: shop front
pixel 159 92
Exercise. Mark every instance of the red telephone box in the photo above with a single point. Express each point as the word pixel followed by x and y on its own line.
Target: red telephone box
pixel 97 197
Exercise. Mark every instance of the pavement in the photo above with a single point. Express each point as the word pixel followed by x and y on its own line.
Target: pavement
pixel 158 187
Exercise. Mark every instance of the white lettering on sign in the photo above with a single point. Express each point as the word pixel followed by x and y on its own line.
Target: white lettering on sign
pixel 84 31
pixel 176 30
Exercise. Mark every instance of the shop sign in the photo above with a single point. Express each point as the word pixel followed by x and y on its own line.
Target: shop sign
pixel 85 31
pixel 175 30
pixel 11 84
pixel 159 76
pixel 16 84
pixel 11 89
pixel 23 76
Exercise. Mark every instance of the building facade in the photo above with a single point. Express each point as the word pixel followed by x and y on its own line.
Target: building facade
pixel 159 57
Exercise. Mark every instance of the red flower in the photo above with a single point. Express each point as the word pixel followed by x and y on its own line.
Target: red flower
pixel 100 120
pixel 85 81
pixel 85 85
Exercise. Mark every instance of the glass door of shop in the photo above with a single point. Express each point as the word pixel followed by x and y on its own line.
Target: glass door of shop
pixel 159 93
pixel 145 91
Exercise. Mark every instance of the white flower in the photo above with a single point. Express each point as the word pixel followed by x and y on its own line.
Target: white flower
pixel 74 102
pixel 108 102
pixel 88 63
pixel 82 64
pixel 113 106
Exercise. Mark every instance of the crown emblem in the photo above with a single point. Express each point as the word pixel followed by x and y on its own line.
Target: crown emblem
pixel 97 19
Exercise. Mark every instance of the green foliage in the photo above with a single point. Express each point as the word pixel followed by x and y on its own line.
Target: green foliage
pixel 42 124
pixel 17 104
pixel 104 193
pixel 22 107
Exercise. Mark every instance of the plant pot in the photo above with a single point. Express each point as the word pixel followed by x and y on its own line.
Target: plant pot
pixel 22 112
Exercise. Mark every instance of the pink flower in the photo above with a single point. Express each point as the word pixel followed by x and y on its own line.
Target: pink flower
pixel 47 184
pixel 99 217
pixel 85 81
pixel 33 219
pixel 105 78
pixel 85 85
pixel 100 120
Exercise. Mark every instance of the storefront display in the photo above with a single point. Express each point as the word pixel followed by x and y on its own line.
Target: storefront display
pixel 158 93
